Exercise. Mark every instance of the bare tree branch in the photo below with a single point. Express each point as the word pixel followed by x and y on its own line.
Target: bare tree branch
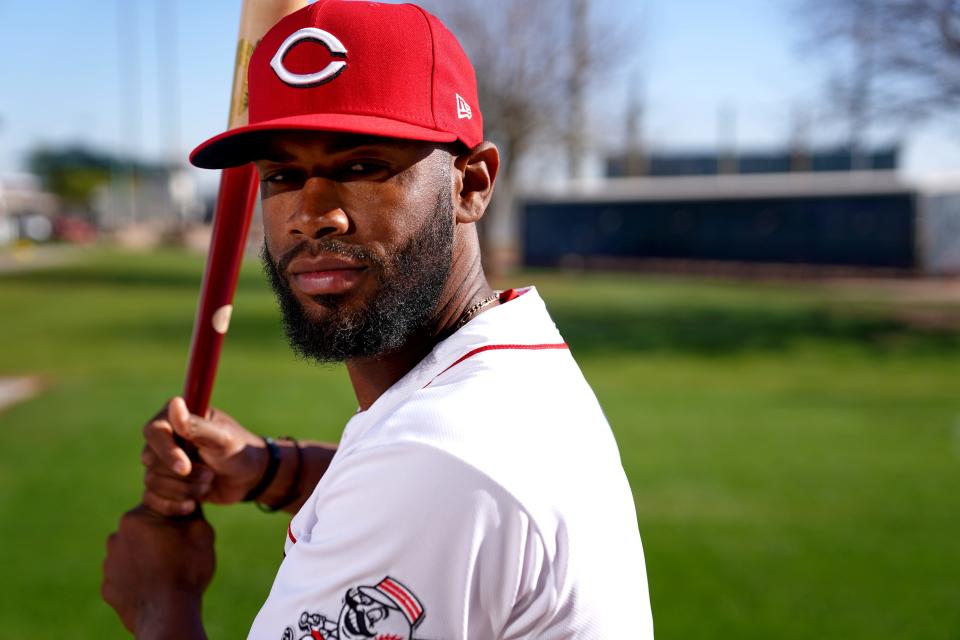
pixel 536 61
pixel 902 56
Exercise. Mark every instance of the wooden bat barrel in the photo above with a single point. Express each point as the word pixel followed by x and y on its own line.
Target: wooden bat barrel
pixel 231 221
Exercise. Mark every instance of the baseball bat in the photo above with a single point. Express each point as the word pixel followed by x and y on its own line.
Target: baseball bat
pixel 231 221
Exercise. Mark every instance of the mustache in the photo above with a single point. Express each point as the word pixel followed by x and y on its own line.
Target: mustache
pixel 327 246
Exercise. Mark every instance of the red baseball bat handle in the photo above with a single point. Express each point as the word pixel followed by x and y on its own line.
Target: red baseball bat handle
pixel 231 221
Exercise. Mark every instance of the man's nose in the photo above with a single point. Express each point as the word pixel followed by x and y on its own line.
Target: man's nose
pixel 321 213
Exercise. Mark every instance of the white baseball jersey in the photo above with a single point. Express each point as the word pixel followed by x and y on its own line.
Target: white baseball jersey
pixel 482 496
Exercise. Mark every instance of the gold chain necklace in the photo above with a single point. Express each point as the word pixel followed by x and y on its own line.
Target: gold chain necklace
pixel 475 309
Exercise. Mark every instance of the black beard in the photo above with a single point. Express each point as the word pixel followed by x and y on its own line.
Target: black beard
pixel 410 284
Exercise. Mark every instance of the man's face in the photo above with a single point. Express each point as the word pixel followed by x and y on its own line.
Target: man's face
pixel 358 239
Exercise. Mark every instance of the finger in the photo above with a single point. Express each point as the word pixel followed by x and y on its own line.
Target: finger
pixel 166 506
pixel 200 474
pixel 159 437
pixel 178 489
pixel 148 458
pixel 203 433
pixel 107 592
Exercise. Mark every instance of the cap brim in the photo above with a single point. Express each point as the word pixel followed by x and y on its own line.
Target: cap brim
pixel 239 146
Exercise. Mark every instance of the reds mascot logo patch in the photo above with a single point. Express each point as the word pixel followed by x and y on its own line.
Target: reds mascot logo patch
pixel 387 611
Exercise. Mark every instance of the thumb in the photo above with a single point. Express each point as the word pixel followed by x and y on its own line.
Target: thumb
pixel 202 433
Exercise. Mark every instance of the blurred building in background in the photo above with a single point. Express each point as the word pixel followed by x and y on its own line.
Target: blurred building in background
pixel 758 211
pixel 159 196
pixel 147 206
pixel 27 210
pixel 75 194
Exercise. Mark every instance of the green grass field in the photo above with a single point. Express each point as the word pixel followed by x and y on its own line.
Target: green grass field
pixel 794 450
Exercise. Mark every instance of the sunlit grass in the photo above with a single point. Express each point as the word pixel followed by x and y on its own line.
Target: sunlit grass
pixel 794 451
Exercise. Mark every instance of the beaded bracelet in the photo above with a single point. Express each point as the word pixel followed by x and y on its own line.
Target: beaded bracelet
pixel 273 463
pixel 294 491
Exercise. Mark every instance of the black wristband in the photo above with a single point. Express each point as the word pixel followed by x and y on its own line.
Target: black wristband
pixel 273 463
pixel 294 491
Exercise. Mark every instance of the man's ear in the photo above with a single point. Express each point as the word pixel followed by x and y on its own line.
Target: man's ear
pixel 475 172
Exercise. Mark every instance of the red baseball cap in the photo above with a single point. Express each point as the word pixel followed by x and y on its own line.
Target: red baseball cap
pixel 360 67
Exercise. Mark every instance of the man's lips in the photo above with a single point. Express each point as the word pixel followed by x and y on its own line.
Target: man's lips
pixel 324 275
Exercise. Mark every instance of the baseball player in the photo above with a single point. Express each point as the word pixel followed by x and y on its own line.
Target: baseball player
pixel 478 491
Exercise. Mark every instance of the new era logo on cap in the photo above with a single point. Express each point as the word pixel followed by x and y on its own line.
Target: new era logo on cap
pixel 463 109
pixel 370 68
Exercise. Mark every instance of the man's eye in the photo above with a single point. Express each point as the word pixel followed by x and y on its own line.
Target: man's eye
pixel 279 176
pixel 363 168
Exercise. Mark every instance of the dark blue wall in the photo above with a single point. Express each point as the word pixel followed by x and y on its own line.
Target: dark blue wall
pixel 868 231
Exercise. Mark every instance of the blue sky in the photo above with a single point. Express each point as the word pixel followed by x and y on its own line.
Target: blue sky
pixel 59 70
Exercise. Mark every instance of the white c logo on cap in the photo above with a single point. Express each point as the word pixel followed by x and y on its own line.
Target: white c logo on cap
pixel 328 73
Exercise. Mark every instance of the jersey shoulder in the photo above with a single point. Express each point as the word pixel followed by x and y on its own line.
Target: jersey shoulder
pixel 524 417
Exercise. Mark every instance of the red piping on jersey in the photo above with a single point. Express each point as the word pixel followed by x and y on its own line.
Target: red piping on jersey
pixel 510 294
pixel 497 347
pixel 290 535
